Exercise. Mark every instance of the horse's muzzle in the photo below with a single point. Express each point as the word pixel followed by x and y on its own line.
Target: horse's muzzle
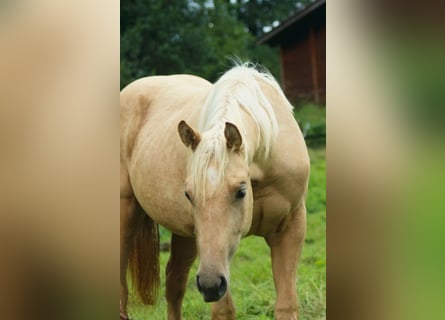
pixel 211 288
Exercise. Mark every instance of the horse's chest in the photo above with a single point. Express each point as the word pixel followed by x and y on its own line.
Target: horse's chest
pixel 270 212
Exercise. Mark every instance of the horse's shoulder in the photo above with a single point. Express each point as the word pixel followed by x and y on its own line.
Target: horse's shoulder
pixel 285 172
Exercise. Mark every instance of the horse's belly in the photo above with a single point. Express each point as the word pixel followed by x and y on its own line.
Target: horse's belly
pixel 170 215
pixel 158 187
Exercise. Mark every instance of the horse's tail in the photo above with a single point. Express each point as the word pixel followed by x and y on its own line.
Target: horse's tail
pixel 144 260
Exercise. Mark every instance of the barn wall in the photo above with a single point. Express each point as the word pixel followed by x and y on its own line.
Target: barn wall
pixel 298 69
pixel 320 40
pixel 303 59
pixel 296 61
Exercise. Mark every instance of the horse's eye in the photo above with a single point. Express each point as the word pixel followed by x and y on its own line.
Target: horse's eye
pixel 188 196
pixel 241 193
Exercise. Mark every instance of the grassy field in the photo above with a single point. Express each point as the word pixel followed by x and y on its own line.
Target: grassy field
pixel 251 277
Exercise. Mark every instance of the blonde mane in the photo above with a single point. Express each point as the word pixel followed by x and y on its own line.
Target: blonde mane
pixel 238 89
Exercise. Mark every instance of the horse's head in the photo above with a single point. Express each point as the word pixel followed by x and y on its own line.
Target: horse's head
pixel 219 190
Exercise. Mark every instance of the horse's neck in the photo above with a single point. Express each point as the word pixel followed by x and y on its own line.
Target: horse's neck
pixel 251 135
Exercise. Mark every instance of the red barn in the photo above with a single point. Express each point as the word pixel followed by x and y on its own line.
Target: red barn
pixel 302 42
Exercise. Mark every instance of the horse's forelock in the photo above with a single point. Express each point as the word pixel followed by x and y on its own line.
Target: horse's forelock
pixel 211 150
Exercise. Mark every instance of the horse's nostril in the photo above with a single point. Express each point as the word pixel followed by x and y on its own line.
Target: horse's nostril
pixel 211 288
pixel 222 286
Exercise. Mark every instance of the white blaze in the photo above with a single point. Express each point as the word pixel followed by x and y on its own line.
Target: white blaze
pixel 212 177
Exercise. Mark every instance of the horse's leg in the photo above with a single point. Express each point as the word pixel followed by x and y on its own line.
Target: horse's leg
pixel 224 309
pixel 285 248
pixel 183 253
pixel 128 222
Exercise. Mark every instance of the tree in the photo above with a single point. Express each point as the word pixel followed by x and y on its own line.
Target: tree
pixel 194 36
pixel 257 14
pixel 162 37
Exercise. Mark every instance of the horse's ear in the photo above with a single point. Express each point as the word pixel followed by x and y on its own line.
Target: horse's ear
pixel 188 136
pixel 233 137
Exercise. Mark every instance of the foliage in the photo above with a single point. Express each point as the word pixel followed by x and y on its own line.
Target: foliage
pixel 158 37
pixel 256 14
pixel 251 276
pixel 196 36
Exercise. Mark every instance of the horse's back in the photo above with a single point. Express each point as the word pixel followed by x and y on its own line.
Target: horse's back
pixel 151 90
pixel 139 86
pixel 156 100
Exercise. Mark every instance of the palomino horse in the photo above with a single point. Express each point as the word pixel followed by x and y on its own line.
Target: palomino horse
pixel 212 163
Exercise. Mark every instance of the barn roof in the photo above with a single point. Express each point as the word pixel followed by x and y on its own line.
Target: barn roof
pixel 275 36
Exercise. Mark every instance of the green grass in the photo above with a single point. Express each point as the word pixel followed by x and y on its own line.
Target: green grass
pixel 251 276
